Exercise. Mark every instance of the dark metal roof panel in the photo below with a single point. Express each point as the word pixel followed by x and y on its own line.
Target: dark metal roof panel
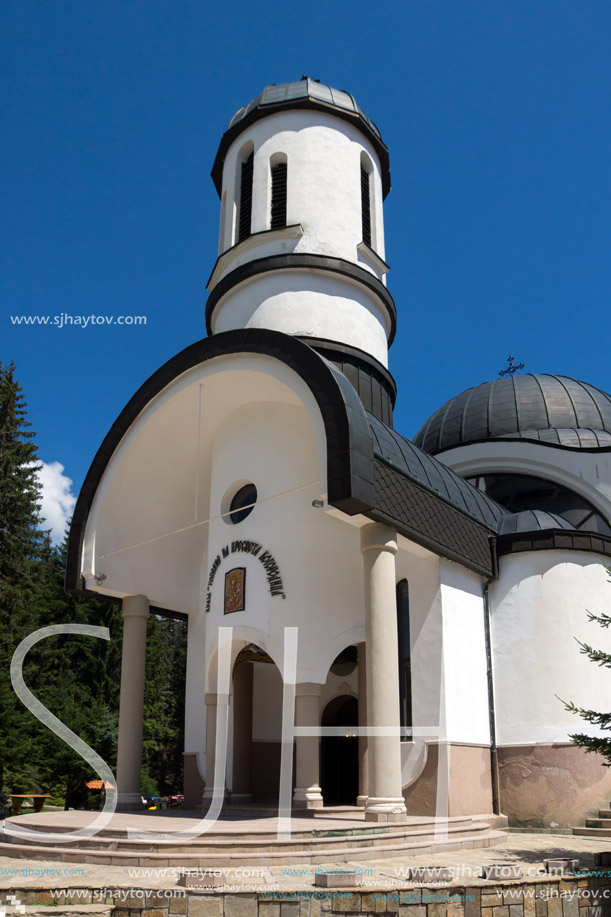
pixel 556 410
pixel 430 521
pixel 532 520
pixel 432 474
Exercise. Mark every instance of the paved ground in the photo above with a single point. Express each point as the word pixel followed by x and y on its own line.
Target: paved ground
pixel 528 850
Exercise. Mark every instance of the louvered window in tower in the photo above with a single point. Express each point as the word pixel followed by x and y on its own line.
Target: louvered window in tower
pixel 245 198
pixel 366 206
pixel 278 209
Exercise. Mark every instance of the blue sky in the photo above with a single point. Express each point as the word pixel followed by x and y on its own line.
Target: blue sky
pixel 498 225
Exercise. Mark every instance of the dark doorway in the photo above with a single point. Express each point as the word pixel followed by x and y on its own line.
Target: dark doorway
pixel 339 770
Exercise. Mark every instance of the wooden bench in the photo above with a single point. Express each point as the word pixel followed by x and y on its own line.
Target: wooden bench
pixel 17 802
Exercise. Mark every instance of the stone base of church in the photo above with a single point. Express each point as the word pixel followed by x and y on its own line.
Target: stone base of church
pixel 557 786
pixel 470 782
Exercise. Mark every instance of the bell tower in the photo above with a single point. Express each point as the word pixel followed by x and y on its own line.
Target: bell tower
pixel 302 173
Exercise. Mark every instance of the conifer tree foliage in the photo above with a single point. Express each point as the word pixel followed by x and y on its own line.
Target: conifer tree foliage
pixel 76 677
pixel 164 705
pixel 20 546
pixel 600 744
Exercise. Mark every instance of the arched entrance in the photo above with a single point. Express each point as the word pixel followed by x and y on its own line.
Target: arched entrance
pixel 339 769
pixel 257 727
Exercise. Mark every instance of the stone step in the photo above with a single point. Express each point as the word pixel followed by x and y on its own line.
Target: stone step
pixel 266 855
pixel 592 832
pixel 604 813
pixel 598 822
pixel 263 834
pixel 241 844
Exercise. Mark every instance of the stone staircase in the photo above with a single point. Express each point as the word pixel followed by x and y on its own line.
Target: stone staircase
pixel 244 845
pixel 596 827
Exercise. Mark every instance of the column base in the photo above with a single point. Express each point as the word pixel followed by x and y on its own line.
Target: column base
pixel 207 798
pixel 385 809
pixel 129 802
pixel 309 797
pixel 361 801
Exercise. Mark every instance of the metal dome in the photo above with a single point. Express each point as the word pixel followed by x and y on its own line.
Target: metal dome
pixel 532 520
pixel 304 93
pixel 555 410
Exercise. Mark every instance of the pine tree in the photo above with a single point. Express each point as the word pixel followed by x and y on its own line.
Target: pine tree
pixel 20 546
pixel 76 677
pixel 162 747
pixel 600 744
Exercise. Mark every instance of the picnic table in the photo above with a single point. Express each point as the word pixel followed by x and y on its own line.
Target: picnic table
pixel 17 801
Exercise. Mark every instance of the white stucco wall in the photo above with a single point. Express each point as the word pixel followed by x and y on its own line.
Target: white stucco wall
pixel 448 652
pixel 324 217
pixel 309 304
pixel 323 179
pixel 148 528
pixel 464 656
pixel 421 570
pixel 538 611
pixel 273 446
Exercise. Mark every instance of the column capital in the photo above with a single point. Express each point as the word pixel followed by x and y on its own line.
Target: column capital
pixel 136 606
pixel 378 537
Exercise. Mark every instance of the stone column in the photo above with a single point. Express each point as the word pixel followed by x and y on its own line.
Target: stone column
pixel 212 702
pixel 385 800
pixel 131 704
pixel 241 789
pixel 307 794
pixel 363 739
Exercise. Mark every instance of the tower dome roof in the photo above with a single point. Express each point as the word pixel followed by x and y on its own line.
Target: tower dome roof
pixel 555 410
pixel 302 94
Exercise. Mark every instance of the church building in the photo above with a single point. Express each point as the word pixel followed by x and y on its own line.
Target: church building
pixel 433 588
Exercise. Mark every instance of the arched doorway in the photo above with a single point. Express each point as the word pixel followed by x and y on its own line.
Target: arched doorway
pixel 257 727
pixel 339 768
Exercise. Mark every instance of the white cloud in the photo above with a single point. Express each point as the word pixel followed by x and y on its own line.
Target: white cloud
pixel 57 503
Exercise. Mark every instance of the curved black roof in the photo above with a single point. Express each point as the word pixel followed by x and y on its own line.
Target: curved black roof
pixel 554 410
pixel 433 475
pixel 532 520
pixel 304 93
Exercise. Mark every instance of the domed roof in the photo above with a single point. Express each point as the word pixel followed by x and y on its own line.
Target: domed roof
pixel 549 409
pixel 304 93
pixel 531 520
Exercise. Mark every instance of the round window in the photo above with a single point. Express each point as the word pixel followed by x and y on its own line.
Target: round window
pixel 242 503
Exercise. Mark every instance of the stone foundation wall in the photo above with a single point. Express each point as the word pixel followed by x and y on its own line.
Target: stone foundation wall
pixel 470 788
pixel 570 897
pixel 552 785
